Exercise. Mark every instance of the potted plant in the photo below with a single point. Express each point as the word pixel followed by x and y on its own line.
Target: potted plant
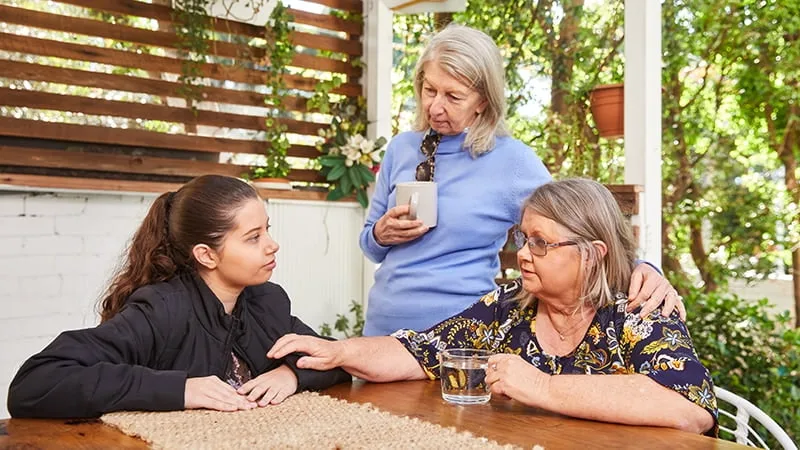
pixel 607 102
pixel 349 161
pixel 272 175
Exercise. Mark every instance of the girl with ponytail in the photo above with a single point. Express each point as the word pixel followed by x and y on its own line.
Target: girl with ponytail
pixel 186 322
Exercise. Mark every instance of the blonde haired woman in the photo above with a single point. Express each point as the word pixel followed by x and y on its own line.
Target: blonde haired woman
pixel 566 315
pixel 482 175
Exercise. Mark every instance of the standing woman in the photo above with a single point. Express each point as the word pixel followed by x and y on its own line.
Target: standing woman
pixel 482 175
pixel 186 322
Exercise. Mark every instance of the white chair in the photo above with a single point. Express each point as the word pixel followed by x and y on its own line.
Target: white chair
pixel 744 410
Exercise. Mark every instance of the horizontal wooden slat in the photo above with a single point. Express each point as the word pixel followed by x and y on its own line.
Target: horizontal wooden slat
pixel 327 22
pixel 153 63
pixel 55 22
pixel 508 259
pixel 94 184
pixel 147 165
pixel 163 13
pixel 138 138
pixel 98 184
pixel 151 86
pixel 58 159
pixel 131 110
pixel 355 6
pixel 627 196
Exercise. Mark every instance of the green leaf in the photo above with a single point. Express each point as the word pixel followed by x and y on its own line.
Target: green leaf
pixel 346 184
pixel 353 175
pixel 361 196
pixel 329 161
pixel 337 172
pixel 336 194
pixel 366 175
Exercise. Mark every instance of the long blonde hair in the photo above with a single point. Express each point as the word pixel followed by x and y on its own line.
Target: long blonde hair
pixel 590 213
pixel 472 57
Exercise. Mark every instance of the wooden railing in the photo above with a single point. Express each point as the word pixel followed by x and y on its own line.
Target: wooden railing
pixel 81 81
pixel 627 196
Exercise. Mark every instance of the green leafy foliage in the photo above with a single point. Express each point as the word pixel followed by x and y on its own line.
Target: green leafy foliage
pixel 749 351
pixel 351 325
pixel 278 54
pixel 193 32
pixel 349 161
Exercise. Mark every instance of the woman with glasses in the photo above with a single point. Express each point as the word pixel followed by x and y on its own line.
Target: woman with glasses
pixel 566 315
pixel 482 174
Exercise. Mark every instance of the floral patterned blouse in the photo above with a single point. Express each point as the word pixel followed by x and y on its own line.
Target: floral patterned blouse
pixel 616 342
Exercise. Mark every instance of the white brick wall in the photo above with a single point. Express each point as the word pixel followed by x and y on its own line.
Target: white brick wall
pixel 57 252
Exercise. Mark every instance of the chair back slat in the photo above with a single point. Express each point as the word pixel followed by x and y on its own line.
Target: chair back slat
pixel 744 411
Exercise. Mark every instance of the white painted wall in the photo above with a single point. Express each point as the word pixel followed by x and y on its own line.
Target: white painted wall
pixel 58 250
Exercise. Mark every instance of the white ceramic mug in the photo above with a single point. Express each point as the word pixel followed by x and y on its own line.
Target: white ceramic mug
pixel 422 199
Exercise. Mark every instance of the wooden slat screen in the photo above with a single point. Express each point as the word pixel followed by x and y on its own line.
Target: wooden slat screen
pixel 94 99
pixel 627 196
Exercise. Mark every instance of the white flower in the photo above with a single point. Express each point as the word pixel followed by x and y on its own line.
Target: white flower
pixel 367 146
pixel 348 163
pixel 376 156
pixel 355 140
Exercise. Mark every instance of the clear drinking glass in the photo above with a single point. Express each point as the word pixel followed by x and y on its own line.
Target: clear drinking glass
pixel 463 371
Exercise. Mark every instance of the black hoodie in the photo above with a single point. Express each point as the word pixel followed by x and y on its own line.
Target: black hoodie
pixel 141 358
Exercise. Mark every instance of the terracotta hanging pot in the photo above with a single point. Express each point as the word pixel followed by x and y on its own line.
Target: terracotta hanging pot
pixel 607 103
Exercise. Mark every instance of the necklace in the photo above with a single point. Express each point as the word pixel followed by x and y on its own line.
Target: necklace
pixel 569 331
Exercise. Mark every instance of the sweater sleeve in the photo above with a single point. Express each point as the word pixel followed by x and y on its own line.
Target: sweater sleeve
pixel 85 373
pixel 378 207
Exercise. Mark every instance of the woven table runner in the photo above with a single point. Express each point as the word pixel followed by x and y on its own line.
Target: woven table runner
pixel 302 421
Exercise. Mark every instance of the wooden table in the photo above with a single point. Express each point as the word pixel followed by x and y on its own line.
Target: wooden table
pixel 501 420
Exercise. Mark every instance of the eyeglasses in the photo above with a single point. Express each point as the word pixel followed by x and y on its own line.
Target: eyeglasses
pixel 537 246
pixel 428 148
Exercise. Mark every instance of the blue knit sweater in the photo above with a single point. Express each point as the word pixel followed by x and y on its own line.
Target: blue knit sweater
pixel 425 281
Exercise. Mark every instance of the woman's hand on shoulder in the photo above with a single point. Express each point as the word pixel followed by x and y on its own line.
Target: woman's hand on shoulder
pixel 271 387
pixel 213 393
pixel 512 376
pixel 392 229
pixel 322 353
pixel 650 290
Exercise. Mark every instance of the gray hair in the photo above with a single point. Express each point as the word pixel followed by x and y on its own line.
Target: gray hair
pixel 590 213
pixel 472 57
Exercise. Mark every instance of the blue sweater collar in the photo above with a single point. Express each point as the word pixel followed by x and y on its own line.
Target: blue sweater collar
pixel 452 144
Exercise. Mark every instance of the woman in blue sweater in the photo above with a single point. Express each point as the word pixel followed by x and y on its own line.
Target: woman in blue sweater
pixel 482 174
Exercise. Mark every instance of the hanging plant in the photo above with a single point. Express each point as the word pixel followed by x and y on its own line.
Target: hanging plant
pixel 278 54
pixel 192 28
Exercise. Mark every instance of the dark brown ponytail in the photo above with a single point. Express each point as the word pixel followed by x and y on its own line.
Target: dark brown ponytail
pixel 201 212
